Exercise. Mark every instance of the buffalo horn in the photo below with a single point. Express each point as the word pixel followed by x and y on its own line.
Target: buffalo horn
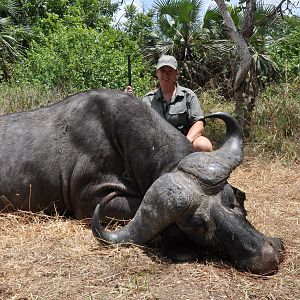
pixel 216 166
pixel 165 202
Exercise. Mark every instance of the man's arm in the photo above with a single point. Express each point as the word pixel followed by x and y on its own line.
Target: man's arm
pixel 195 131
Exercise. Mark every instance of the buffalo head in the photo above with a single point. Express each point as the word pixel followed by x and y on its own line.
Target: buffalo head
pixel 196 197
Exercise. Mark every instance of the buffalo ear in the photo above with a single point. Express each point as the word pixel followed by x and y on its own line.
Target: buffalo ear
pixel 240 197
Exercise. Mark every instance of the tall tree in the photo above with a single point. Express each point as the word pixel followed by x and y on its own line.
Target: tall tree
pixel 251 64
pixel 243 99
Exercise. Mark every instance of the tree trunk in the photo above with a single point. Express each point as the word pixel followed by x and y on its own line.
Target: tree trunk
pixel 243 96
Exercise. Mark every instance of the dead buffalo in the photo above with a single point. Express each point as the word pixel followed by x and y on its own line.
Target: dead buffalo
pixel 108 153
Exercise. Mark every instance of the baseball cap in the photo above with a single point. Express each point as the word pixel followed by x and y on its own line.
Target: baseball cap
pixel 167 60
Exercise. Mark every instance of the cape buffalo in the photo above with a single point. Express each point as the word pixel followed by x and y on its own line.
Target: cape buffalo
pixel 105 152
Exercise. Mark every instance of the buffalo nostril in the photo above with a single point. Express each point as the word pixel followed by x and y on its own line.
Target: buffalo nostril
pixel 278 245
pixel 269 253
pixel 265 262
pixel 269 260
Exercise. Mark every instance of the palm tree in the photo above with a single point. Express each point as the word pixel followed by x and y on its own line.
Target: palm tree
pixel 202 45
pixel 264 67
pixel 199 44
pixel 178 34
pixel 9 35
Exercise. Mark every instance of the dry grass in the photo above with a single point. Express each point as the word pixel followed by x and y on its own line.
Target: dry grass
pixel 53 258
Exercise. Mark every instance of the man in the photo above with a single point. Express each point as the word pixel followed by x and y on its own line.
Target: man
pixel 177 104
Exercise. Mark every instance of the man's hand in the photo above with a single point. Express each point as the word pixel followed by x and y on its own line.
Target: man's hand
pixel 129 90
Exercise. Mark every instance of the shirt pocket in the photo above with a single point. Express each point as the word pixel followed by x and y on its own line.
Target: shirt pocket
pixel 178 108
pixel 178 115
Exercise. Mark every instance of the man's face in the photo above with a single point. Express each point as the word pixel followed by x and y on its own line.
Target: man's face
pixel 166 75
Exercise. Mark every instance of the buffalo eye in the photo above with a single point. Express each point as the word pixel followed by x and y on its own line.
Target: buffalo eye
pixel 228 198
pixel 194 222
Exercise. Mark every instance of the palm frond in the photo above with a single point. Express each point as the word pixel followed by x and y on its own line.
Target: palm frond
pixel 8 43
pixel 9 8
pixel 5 22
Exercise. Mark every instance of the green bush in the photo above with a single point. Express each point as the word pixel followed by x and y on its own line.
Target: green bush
pixel 276 121
pixel 78 58
pixel 284 47
pixel 16 97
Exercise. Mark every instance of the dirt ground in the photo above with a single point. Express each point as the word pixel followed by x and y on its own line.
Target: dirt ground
pixel 53 258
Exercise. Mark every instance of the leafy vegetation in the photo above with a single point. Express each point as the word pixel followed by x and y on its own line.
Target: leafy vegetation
pixel 95 60
pixel 15 97
pixel 11 36
pixel 276 121
pixel 284 48
pixel 75 47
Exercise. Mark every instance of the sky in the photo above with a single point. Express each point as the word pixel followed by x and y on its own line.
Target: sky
pixel 146 5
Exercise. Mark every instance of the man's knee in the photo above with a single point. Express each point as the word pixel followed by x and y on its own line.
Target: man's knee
pixel 202 144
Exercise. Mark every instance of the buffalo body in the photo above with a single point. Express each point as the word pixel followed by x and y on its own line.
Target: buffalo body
pixel 105 152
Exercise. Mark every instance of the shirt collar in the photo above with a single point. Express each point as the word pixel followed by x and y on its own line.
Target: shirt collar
pixel 179 92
